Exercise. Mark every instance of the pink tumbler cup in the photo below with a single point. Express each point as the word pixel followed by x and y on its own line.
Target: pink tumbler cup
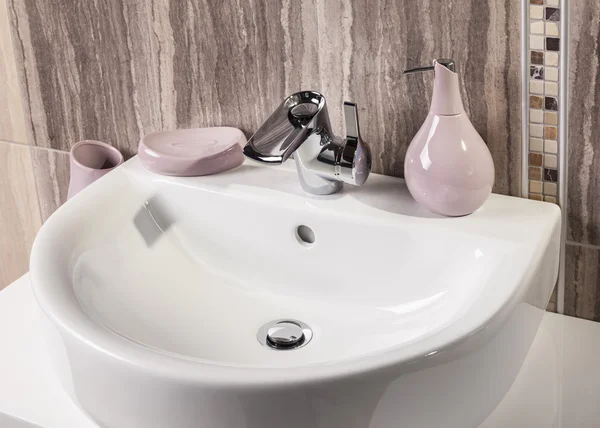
pixel 91 160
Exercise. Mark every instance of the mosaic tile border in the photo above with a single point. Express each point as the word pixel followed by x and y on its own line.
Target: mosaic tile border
pixel 544 64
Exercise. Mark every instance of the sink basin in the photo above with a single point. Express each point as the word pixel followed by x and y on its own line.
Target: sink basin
pixel 157 290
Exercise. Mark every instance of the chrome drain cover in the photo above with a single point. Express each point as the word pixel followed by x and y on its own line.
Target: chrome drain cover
pixel 284 334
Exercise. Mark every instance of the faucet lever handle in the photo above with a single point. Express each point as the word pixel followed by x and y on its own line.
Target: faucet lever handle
pixel 351 118
pixel 354 162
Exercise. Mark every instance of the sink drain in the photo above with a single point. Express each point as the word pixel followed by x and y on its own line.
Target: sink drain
pixel 284 334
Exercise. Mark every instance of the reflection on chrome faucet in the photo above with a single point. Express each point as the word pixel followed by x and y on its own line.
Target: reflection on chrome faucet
pixel 301 125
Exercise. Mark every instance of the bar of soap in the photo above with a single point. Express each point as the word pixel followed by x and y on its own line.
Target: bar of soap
pixel 192 152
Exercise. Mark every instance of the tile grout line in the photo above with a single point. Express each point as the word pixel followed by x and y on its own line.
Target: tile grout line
pixel 583 245
pixel 50 149
pixel 18 143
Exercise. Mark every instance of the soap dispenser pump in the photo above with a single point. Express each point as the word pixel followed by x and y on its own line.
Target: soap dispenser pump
pixel 448 167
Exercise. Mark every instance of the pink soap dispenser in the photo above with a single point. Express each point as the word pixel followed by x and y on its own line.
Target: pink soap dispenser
pixel 448 167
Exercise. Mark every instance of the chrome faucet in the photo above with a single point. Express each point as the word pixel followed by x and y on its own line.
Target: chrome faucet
pixel 300 125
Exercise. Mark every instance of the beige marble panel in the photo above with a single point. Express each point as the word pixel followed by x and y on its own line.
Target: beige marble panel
pixel 51 170
pixel 12 119
pixel 582 282
pixel 584 124
pixel 19 212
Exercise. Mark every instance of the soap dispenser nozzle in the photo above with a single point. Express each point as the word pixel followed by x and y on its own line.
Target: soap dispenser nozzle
pixel 446 99
pixel 448 63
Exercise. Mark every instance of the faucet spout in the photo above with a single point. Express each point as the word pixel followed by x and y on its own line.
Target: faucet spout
pixel 301 125
pixel 288 127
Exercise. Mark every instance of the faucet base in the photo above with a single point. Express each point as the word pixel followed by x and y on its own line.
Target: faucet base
pixel 315 184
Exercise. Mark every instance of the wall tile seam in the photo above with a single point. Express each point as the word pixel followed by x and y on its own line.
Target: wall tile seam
pixel 583 245
pixel 9 141
pixel 50 149
pixel 33 147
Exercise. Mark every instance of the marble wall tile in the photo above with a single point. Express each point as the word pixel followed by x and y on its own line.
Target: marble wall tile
pixel 12 119
pixel 582 282
pixel 19 212
pixel 584 124
pixel 365 45
pixel 78 64
pixel 233 64
pixel 51 171
pixel 115 70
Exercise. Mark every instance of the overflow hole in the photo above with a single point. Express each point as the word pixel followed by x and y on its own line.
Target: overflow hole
pixel 305 235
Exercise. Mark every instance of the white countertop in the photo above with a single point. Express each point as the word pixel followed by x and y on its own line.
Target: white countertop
pixel 558 386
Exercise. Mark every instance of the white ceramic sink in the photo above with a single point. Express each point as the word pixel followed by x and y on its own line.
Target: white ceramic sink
pixel 155 289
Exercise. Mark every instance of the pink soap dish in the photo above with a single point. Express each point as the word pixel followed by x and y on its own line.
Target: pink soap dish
pixel 192 152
